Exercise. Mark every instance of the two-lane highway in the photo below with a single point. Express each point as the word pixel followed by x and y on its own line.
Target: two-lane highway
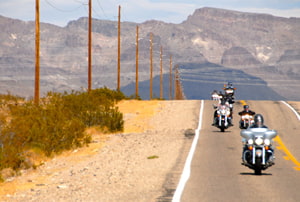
pixel 216 170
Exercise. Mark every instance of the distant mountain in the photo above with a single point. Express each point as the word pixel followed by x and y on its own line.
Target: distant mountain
pixel 212 46
pixel 199 80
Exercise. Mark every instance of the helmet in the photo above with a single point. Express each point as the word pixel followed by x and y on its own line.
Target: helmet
pixel 259 120
pixel 246 107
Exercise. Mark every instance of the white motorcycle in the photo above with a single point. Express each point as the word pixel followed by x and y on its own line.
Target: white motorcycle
pixel 223 119
pixel 246 121
pixel 215 96
pixel 258 153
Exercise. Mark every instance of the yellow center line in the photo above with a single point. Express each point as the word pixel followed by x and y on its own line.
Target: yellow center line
pixel 289 155
pixel 243 102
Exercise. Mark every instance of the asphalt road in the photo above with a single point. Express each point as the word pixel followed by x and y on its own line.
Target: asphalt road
pixel 216 170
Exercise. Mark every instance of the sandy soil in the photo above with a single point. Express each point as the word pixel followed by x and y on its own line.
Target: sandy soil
pixel 143 163
pixel 295 105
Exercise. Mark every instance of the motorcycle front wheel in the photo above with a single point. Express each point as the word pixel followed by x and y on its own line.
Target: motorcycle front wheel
pixel 257 169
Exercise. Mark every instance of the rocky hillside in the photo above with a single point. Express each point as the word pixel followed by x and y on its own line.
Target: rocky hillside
pixel 260 47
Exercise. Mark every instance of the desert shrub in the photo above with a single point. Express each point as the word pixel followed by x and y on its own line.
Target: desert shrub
pixel 56 124
pixel 94 108
pixel 107 94
pixel 10 98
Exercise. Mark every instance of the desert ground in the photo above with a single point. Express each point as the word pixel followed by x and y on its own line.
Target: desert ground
pixel 143 163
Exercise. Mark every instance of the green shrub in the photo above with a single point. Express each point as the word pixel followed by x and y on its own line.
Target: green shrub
pixel 56 124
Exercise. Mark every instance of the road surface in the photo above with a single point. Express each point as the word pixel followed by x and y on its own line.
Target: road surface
pixel 216 170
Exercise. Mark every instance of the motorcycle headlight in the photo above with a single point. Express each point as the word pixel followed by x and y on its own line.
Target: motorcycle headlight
pixel 259 141
pixel 250 141
pixel 267 142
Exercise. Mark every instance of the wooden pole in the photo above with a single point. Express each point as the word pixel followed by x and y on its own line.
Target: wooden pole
pixel 151 64
pixel 137 63
pixel 37 52
pixel 170 84
pixel 90 47
pixel 119 49
pixel 161 73
pixel 177 84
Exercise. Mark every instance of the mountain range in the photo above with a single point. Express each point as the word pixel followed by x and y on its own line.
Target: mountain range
pixel 259 53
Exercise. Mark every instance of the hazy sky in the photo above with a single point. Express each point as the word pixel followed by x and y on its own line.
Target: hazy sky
pixel 60 12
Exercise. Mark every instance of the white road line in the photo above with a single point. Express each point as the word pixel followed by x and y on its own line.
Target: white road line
pixel 187 167
pixel 289 106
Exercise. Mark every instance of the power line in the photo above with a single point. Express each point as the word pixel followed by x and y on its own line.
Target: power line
pixel 102 9
pixel 63 10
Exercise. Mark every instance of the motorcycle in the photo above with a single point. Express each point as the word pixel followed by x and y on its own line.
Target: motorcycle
pixel 215 96
pixel 223 118
pixel 258 153
pixel 246 121
pixel 229 91
pixel 230 100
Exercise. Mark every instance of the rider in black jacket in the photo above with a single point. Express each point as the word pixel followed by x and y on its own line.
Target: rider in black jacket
pixel 246 111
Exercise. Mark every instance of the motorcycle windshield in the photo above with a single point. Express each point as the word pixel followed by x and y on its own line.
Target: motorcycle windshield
pixel 258 132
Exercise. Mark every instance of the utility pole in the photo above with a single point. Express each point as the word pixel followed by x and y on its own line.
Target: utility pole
pixel 137 63
pixel 178 89
pixel 161 73
pixel 170 84
pixel 151 64
pixel 37 52
pixel 119 49
pixel 176 82
pixel 90 47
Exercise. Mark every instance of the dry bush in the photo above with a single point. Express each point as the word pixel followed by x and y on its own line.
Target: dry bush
pixel 58 123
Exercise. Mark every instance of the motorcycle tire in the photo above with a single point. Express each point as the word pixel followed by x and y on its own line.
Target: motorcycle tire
pixel 257 169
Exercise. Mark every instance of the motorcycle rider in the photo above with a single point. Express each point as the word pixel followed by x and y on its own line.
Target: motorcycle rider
pixel 244 112
pixel 230 100
pixel 230 87
pixel 258 122
pixel 229 95
pixel 222 101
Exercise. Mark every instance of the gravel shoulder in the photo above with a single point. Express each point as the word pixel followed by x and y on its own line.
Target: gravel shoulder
pixel 143 163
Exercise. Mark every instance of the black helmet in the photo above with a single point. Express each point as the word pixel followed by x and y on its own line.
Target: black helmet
pixel 246 106
pixel 259 120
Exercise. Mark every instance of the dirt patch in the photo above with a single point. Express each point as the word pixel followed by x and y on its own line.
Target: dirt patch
pixel 141 164
pixel 137 113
